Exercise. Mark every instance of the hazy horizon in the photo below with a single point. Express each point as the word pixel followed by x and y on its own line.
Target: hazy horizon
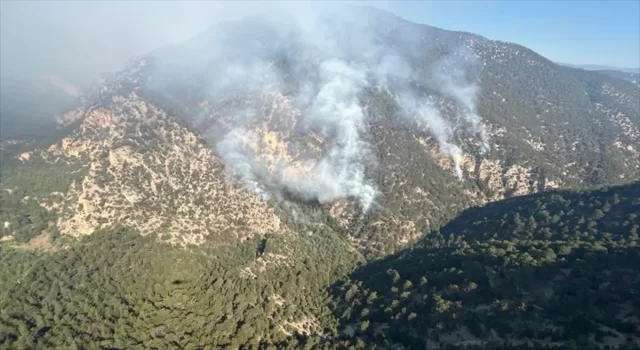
pixel 77 41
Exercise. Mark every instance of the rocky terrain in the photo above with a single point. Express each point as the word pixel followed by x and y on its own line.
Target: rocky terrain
pixel 163 154
pixel 278 165
pixel 147 172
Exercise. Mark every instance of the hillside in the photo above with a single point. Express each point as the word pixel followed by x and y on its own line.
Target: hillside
pixel 305 131
pixel 138 167
pixel 509 122
pixel 554 269
pixel 630 76
pixel 335 180
pixel 565 277
pixel 119 290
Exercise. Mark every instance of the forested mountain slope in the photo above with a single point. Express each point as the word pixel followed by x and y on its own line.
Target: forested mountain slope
pixel 630 76
pixel 553 269
pixel 564 277
pixel 384 130
pixel 119 290
pixel 124 161
pixel 334 180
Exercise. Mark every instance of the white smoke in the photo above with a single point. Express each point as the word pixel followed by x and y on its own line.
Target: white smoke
pixel 450 73
pixel 236 153
pixel 428 117
pixel 336 111
pixel 328 62
pixel 423 109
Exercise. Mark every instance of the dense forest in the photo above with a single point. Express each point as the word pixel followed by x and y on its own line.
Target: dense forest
pixel 119 290
pixel 25 187
pixel 152 215
pixel 556 269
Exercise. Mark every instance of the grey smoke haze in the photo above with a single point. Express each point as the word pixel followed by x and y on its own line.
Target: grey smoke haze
pixel 320 55
pixel 50 50
pixel 78 40
pixel 323 59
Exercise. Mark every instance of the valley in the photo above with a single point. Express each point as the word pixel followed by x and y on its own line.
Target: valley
pixel 351 184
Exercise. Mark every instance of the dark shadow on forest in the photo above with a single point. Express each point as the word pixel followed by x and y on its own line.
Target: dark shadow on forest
pixel 558 267
pixel 439 290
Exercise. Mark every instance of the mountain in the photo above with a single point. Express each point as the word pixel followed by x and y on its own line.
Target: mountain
pixel 128 162
pixel 356 128
pixel 549 270
pixel 243 173
pixel 629 76
pixel 601 68
pixel 544 270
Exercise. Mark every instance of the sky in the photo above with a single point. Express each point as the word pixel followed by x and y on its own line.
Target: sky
pixel 77 40
pixel 578 32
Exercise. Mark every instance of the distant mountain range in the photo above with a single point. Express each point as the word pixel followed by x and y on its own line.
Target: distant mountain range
pixel 601 67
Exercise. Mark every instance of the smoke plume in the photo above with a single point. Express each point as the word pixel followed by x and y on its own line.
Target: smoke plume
pixel 319 63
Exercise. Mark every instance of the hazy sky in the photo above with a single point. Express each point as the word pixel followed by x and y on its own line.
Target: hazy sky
pixel 76 40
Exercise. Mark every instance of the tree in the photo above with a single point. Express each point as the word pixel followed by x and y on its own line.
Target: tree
pixel 395 276
pixel 423 280
pixel 372 297
pixel 407 285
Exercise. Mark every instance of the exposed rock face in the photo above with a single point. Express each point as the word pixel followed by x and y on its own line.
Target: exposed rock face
pixel 410 203
pixel 148 172
pixel 271 140
pixel 152 141
pixel 70 116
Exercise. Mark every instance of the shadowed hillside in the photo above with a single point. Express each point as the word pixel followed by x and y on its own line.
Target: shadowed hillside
pixel 547 270
pixel 339 179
